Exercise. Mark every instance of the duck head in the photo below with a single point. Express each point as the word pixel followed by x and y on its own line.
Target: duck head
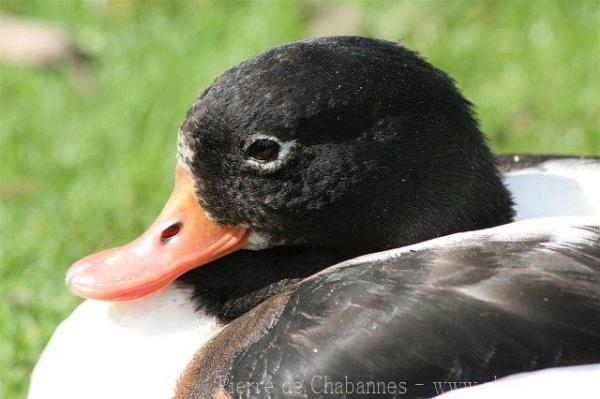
pixel 345 145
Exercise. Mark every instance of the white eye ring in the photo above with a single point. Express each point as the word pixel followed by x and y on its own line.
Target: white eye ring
pixel 285 148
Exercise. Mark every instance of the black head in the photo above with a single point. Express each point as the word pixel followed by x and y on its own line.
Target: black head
pixel 313 152
pixel 347 144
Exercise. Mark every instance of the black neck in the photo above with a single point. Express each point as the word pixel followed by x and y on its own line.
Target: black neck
pixel 230 286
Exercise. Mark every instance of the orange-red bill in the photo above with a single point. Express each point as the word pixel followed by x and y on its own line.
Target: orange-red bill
pixel 180 239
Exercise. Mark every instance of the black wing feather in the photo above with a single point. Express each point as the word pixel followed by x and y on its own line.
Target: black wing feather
pixel 471 312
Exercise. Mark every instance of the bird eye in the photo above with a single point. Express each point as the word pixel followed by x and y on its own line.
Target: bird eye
pixel 263 150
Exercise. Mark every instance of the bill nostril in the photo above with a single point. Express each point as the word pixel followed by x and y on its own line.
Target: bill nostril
pixel 170 232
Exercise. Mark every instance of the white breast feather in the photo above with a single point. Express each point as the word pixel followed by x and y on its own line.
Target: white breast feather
pixel 134 349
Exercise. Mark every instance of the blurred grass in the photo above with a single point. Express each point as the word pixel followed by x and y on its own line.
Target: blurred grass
pixel 86 170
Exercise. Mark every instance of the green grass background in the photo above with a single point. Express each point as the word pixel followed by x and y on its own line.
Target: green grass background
pixel 85 170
